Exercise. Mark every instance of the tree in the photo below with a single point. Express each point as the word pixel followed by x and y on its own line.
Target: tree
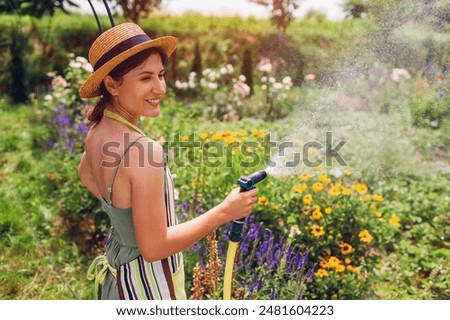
pixel 35 8
pixel 17 74
pixel 282 11
pixel 197 62
pixel 135 9
pixel 247 68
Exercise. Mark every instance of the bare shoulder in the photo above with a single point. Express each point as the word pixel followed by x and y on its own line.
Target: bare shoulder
pixel 146 154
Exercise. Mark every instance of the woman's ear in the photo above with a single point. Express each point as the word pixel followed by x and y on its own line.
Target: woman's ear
pixel 111 85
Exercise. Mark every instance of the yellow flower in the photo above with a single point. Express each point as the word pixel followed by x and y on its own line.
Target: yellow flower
pixel 340 268
pixel 261 134
pixel 347 172
pixel 346 192
pixel 255 132
pixel 305 177
pixel 361 188
pixel 373 206
pixel 348 260
pixel 335 191
pixel 394 220
pixel 378 198
pixel 317 215
pixel 216 136
pixel 317 187
pixel 194 184
pixel 315 207
pixel 323 264
pixel 307 199
pixel 263 201
pixel 226 134
pixel 352 269
pixel 229 140
pixel 378 214
pixel 334 262
pixel 317 230
pixel 328 210
pixel 300 187
pixel 321 273
pixel 346 248
pixel 367 197
pixel 365 236
pixel 275 207
pixel 243 139
pixel 185 138
pixel 204 136
pixel 322 176
pixel 305 210
pixel 242 133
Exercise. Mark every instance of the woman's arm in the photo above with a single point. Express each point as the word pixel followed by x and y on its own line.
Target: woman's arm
pixel 155 240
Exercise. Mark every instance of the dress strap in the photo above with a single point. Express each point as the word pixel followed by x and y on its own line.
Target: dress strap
pixel 110 188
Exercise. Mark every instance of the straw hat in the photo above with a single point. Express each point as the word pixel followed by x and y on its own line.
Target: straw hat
pixel 116 45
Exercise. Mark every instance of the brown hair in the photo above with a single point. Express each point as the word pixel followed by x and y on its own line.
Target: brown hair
pixel 96 115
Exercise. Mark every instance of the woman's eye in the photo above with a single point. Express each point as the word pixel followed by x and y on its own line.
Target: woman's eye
pixel 161 76
pixel 145 78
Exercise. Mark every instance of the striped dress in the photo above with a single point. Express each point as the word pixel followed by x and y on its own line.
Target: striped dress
pixel 122 273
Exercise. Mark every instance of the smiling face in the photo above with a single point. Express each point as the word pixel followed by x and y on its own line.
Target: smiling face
pixel 140 91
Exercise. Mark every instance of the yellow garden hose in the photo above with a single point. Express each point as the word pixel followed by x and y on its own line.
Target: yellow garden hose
pixel 246 183
pixel 229 267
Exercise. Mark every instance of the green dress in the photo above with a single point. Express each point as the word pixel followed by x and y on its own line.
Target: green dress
pixel 122 273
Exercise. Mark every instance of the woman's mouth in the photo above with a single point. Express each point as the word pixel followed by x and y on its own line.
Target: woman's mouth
pixel 154 101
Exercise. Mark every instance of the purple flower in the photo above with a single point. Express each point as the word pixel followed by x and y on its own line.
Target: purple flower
pixel 69 145
pixel 273 293
pixel 259 284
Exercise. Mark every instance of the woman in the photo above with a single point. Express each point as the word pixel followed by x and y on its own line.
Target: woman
pixel 126 170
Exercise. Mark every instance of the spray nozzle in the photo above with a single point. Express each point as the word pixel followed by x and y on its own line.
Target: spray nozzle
pixel 249 182
pixel 246 183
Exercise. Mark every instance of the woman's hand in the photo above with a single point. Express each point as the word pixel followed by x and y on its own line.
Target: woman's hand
pixel 239 204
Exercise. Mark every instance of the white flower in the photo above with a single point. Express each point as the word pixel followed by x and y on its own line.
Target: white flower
pixel 191 84
pixel 181 85
pixel 192 75
pixel 75 65
pixel 277 85
pixel 206 71
pixel 81 60
pixel 294 231
pixel 264 79
pixel 48 97
pixel 397 74
pixel 241 89
pixel 264 87
pixel 272 80
pixel 310 77
pixel 212 85
pixel 264 66
pixel 87 67
pixel 287 81
pixel 223 70
pixel 230 69
pixel 337 172
pixel 242 78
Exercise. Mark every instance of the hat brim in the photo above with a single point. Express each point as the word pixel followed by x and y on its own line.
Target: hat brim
pixel 91 88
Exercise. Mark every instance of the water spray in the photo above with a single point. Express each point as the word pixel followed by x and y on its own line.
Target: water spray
pixel 246 183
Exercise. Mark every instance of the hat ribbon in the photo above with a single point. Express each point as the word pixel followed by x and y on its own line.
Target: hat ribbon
pixel 121 47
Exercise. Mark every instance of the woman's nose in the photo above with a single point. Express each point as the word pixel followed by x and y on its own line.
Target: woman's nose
pixel 159 86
